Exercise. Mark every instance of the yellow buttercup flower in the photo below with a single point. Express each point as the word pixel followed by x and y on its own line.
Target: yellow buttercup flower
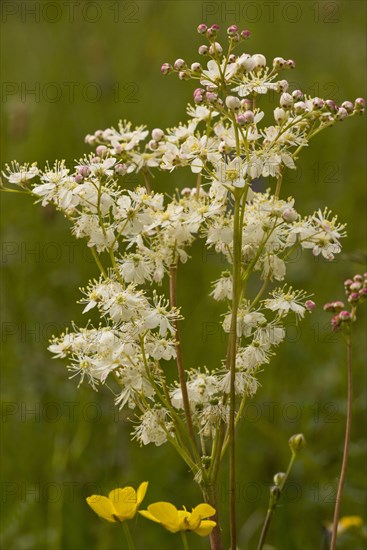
pixel 121 504
pixel 175 520
pixel 347 522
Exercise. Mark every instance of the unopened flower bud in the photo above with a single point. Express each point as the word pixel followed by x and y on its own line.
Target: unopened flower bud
pixel 233 103
pixel 290 215
pixel 78 178
pixel 286 100
pixel 359 103
pixel 290 64
pixel 279 478
pixel 157 134
pixel 247 117
pixel 120 169
pixel 215 48
pixel 341 114
pixel 186 191
pixel 310 305
pixel 153 145
pixel 232 58
pixel 296 443
pixel 245 34
pixel 274 493
pixel 166 68
pixel 196 67
pixel 179 64
pixel 278 63
pixel 84 171
pixel 300 107
pixel 232 30
pixel 211 97
pixel 356 285
pixel 183 75
pixel 212 31
pixel 203 49
pixel 297 95
pixel 198 98
pixel 280 115
pixel 331 105
pixel 246 104
pixel 101 151
pixel 348 282
pixel 326 118
pixel 363 292
pixel 348 106
pixel 334 307
pixel 317 103
pixel 358 278
pixel 353 297
pixel 345 316
pixel 282 86
pixel 260 60
pixel 202 28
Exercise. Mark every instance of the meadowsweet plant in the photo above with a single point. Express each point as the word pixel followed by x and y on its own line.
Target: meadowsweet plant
pixel 140 237
pixel 344 316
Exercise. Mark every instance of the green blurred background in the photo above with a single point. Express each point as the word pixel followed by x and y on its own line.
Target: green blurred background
pixel 90 64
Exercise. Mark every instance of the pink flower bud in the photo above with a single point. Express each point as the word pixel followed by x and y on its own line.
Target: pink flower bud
pixel 179 64
pixel 290 215
pixel 78 178
pixel 202 28
pixel 331 105
pixel 348 106
pixel 353 297
pixel 246 104
pixel 310 305
pixel 215 48
pixel 232 58
pixel 345 315
pixel 120 169
pixel 183 75
pixel 282 86
pixel 348 282
pixel 211 97
pixel 286 100
pixel 232 30
pixel 290 64
pixel 101 151
pixel 334 307
pixel 317 103
pixel 157 134
pixel 297 95
pixel 203 50
pixel 359 103
pixel 196 67
pixel 341 114
pixel 363 292
pixel 356 285
pixel 84 171
pixel 153 145
pixel 198 98
pixel 247 117
pixel 166 68
pixel 245 34
pixel 233 103
pixel 300 107
pixel 358 278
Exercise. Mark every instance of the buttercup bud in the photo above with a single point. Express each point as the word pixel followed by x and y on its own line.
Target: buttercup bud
pixel 296 443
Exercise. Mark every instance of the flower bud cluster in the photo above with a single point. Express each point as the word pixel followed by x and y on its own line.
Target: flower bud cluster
pixel 356 293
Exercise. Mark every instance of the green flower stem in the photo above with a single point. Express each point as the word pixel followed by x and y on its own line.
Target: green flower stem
pixel 179 360
pixel 346 443
pixel 129 540
pixel 98 262
pixel 185 543
pixel 147 181
pixel 273 501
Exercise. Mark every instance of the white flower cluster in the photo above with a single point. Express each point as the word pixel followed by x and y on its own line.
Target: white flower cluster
pixel 146 235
